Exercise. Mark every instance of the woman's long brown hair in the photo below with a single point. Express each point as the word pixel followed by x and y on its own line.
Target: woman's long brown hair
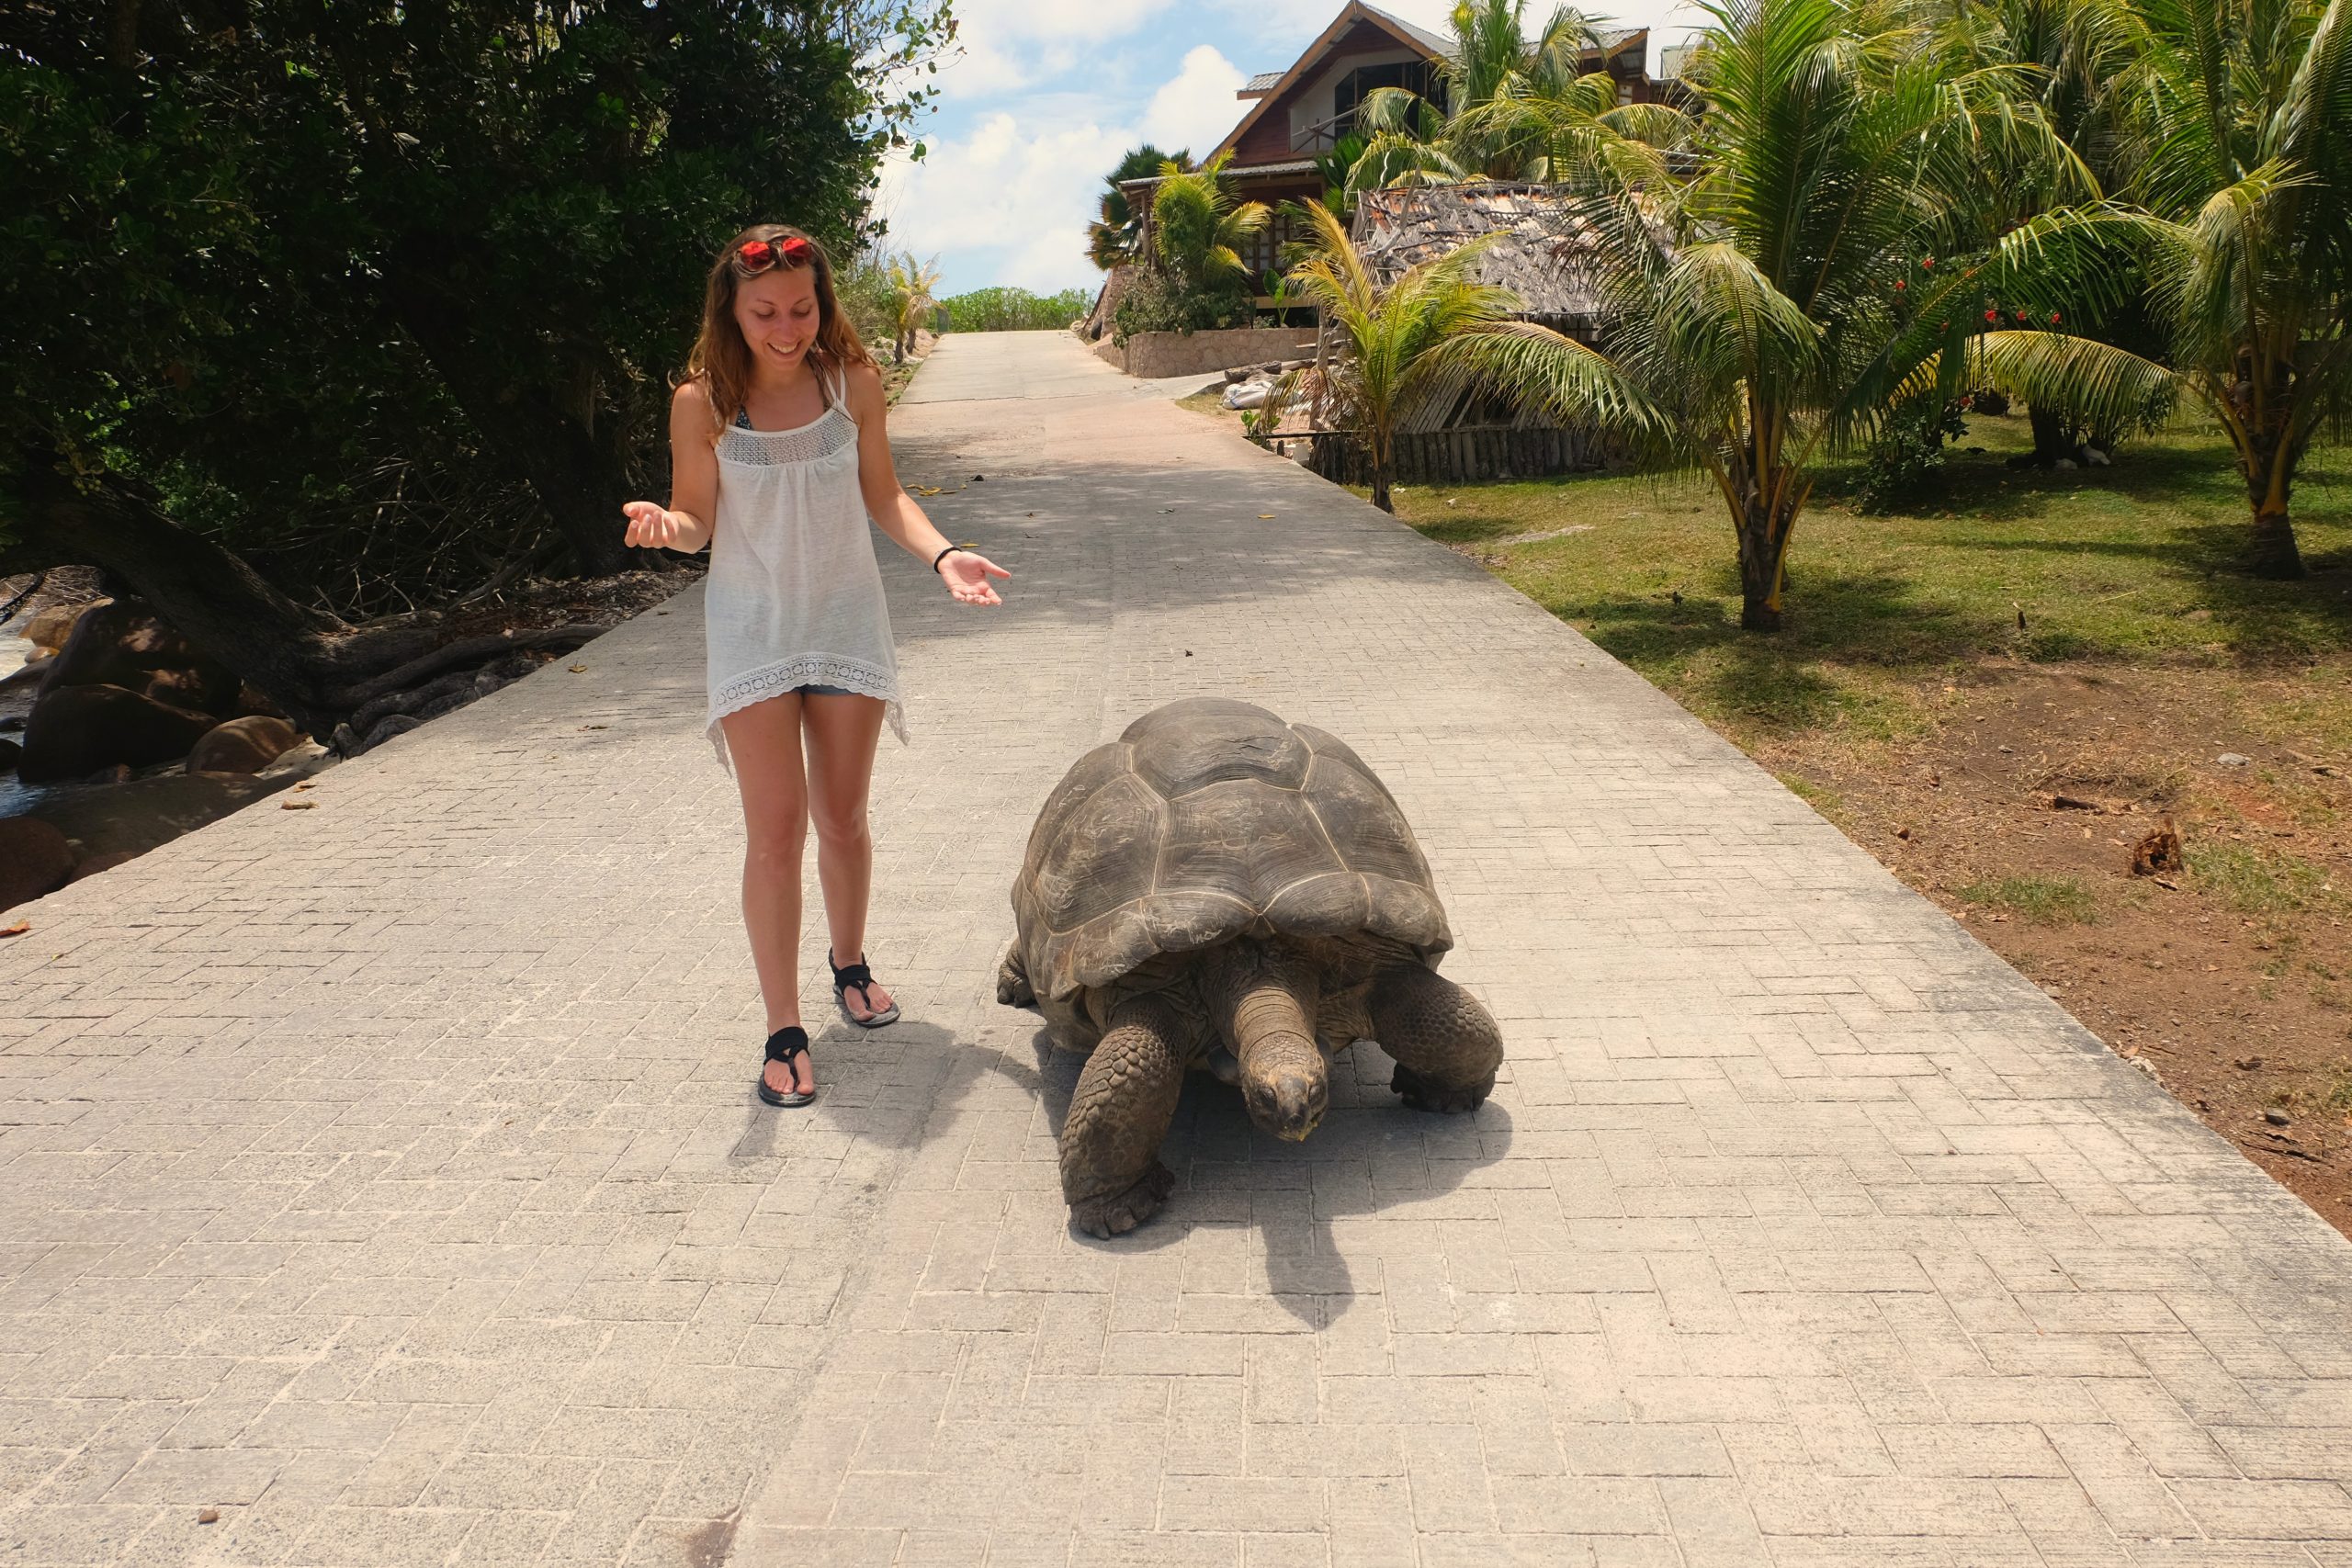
pixel 721 360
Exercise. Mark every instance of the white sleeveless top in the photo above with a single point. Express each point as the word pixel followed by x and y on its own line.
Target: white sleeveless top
pixel 794 597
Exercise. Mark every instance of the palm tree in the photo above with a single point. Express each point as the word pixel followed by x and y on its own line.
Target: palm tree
pixel 1390 334
pixel 1759 313
pixel 2245 112
pixel 1199 231
pixel 1509 104
pixel 911 301
pixel 1111 238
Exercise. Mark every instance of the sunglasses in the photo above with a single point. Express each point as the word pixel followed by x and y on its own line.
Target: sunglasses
pixel 755 256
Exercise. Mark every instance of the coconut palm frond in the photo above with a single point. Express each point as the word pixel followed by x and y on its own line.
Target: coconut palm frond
pixel 2111 388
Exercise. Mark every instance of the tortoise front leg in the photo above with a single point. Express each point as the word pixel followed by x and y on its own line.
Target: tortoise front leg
pixel 1112 1175
pixel 1446 1046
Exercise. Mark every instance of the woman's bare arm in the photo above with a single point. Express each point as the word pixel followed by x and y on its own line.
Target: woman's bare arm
pixel 687 523
pixel 895 512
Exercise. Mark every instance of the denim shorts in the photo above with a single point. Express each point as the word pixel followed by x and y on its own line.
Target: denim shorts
pixel 815 691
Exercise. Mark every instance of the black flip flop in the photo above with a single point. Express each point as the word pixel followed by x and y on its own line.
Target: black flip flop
pixel 856 977
pixel 783 1047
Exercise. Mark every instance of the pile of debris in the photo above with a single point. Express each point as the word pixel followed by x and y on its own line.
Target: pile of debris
pixel 1249 385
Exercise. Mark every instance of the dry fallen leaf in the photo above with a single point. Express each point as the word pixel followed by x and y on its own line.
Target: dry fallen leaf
pixel 1265 517
pixel 298 805
pixel 19 928
pixel 578 668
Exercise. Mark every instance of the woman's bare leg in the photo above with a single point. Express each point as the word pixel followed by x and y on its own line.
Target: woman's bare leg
pixel 842 734
pixel 764 741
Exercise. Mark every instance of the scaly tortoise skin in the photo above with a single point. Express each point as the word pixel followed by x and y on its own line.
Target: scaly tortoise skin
pixel 1219 889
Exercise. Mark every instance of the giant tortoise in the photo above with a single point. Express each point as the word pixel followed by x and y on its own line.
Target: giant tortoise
pixel 1216 889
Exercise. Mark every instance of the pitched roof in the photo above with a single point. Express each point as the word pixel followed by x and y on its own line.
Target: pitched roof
pixel 1263 82
pixel 1435 44
pixel 1352 12
pixel 1536 253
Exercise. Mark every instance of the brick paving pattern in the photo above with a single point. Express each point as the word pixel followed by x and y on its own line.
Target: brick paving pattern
pixel 387 1176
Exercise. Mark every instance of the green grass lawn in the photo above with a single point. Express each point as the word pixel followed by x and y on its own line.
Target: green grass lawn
pixel 2139 563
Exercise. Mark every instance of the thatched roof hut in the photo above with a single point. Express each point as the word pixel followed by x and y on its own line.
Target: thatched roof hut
pixel 1536 251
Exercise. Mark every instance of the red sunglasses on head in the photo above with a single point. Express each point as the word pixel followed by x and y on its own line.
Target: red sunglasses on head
pixel 755 256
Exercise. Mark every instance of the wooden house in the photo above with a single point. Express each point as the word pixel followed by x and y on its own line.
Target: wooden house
pixel 1298 114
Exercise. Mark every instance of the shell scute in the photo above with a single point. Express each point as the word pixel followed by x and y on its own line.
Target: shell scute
pixel 1207 819
pixel 1211 740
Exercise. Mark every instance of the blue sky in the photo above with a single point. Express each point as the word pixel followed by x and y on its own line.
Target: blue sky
pixel 1047 93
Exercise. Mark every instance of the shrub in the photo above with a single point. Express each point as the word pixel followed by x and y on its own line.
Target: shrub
pixel 1159 302
pixel 1005 309
pixel 1908 453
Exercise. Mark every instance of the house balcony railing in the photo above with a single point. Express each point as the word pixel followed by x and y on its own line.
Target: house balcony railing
pixel 1324 134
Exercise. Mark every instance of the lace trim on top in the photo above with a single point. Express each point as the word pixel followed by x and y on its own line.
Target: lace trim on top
pixel 826 436
pixel 805 670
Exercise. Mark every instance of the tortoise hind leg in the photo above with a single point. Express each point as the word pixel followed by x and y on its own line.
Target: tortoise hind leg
pixel 1446 1044
pixel 1112 1175
pixel 1012 980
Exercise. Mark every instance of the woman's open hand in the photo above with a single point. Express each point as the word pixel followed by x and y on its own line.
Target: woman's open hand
pixel 967 577
pixel 653 526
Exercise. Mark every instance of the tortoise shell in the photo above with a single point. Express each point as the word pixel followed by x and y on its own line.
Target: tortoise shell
pixel 1209 819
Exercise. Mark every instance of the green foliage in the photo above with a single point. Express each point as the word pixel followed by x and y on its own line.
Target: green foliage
pixel 1005 309
pixel 1159 301
pixel 376 295
pixel 1908 453
pixel 1396 335
pixel 863 286
pixel 1198 229
pixel 1115 236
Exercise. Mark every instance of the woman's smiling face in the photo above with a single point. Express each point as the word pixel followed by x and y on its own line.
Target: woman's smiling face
pixel 777 314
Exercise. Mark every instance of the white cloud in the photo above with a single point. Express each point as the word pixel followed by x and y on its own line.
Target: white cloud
pixel 1195 108
pixel 1007 44
pixel 1021 197
pixel 1008 201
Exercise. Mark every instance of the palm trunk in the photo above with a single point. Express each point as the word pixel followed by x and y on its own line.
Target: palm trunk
pixel 2274 553
pixel 2053 435
pixel 2270 482
pixel 1763 555
pixel 1380 488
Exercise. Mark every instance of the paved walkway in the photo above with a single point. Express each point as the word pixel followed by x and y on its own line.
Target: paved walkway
pixel 386 1175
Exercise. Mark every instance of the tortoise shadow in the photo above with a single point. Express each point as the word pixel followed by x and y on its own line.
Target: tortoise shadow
pixel 1372 1159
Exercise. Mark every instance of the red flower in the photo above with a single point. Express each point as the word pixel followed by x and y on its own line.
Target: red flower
pixel 1992 315
pixel 1943 326
pixel 2054 317
pixel 2020 318
pixel 1928 264
pixel 1900 285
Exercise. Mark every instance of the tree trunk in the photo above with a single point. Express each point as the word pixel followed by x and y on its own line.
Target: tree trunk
pixel 573 477
pixel 1380 488
pixel 1760 549
pixel 2269 482
pixel 2274 553
pixel 2053 435
pixel 315 666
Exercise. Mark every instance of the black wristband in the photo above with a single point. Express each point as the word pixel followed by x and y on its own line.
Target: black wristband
pixel 945 554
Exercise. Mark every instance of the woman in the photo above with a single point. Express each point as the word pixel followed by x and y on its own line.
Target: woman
pixel 778 456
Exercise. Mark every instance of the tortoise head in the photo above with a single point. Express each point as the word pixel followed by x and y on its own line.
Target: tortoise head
pixel 1285 1083
pixel 1262 998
